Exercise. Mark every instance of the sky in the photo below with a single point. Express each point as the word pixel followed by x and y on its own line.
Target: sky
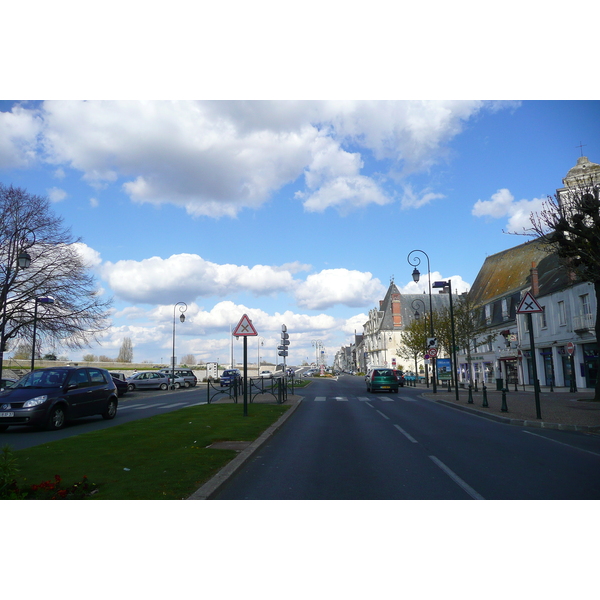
pixel 292 212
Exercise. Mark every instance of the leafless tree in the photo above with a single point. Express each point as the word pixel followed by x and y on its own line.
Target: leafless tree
pixel 126 351
pixel 28 225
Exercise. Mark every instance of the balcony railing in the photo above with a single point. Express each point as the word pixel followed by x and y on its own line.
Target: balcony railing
pixel 584 322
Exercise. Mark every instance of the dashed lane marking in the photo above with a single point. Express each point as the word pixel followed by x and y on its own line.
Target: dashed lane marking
pixel 406 434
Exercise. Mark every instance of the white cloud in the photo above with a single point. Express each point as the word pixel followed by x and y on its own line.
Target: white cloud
pixel 503 204
pixel 459 285
pixel 338 286
pixel 56 194
pixel 412 199
pixel 189 276
pixel 216 158
pixel 19 129
pixel 91 257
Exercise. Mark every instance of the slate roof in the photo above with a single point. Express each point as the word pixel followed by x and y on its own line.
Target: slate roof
pixel 508 272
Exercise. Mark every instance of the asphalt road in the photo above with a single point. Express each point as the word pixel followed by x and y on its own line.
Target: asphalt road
pixel 345 443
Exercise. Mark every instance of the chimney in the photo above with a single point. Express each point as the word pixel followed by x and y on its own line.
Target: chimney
pixel 535 284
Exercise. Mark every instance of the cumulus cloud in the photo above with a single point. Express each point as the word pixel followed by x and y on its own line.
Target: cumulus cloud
pixel 161 280
pixel 459 285
pixel 216 158
pixel 338 286
pixel 503 204
pixel 19 129
pixel 91 258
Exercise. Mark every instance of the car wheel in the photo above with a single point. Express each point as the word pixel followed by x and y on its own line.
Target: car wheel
pixel 163 386
pixel 177 385
pixel 111 409
pixel 187 384
pixel 57 418
pixel 130 387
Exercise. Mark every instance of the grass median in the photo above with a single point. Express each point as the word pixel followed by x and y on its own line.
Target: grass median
pixel 164 457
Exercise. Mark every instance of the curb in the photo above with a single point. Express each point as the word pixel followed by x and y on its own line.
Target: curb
pixel 519 422
pixel 214 485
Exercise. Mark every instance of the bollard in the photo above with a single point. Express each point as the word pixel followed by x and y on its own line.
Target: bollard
pixel 551 386
pixel 504 406
pixel 516 388
pixel 476 386
pixel 485 402
pixel 470 400
pixel 449 387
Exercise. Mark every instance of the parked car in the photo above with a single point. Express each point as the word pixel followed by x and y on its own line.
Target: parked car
pixel 178 382
pixel 382 378
pixel 400 376
pixel 187 374
pixel 121 384
pixel 266 374
pixel 7 383
pixel 146 380
pixel 48 398
pixel 229 376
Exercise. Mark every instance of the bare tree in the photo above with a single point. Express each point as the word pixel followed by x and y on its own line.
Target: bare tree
pixel 126 351
pixel 28 228
pixel 569 224
pixel 188 359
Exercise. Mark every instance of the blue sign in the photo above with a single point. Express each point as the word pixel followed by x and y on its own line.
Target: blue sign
pixel 444 368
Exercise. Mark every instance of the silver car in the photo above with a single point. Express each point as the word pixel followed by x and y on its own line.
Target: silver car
pixel 146 380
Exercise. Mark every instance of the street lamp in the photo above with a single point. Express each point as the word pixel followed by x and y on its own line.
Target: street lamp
pixel 182 309
pixel 317 344
pixel 447 285
pixel 23 261
pixel 417 317
pixel 416 276
pixel 42 300
pixel 260 341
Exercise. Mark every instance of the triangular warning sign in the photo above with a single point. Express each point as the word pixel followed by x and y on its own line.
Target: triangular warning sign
pixel 244 327
pixel 529 305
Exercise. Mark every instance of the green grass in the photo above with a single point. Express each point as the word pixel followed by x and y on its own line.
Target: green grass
pixel 166 455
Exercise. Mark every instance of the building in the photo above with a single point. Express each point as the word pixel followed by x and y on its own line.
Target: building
pixel 565 327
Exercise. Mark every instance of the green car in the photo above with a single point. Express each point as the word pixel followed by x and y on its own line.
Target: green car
pixel 381 378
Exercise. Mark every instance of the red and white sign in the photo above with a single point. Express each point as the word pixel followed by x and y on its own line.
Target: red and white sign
pixel 571 348
pixel 244 327
pixel 432 352
pixel 529 305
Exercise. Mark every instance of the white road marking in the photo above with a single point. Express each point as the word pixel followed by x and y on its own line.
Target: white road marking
pixel 124 406
pixel 146 406
pixel 410 437
pixel 386 399
pixel 172 405
pixel 384 416
pixel 463 484
pixel 320 399
pixel 407 399
pixel 341 399
pixel 561 443
pixel 363 399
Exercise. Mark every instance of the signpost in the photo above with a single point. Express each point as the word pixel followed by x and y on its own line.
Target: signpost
pixel 245 329
pixel 528 306
pixel 571 352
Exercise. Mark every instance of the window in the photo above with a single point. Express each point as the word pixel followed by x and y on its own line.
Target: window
pixel 543 323
pixel 562 315
pixel 96 376
pixel 504 309
pixel 585 304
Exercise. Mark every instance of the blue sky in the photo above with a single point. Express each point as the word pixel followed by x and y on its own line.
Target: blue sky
pixel 291 212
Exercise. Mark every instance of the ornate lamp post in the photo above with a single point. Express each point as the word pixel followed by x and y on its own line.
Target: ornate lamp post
pixel 416 276
pixel 182 309
pixel 42 300
pixel 418 316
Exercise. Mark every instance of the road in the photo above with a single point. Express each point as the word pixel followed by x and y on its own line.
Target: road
pixel 345 443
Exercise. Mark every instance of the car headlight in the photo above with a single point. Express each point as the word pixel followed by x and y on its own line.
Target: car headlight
pixel 35 401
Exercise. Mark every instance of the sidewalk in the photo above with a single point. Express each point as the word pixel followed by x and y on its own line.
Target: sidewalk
pixel 560 409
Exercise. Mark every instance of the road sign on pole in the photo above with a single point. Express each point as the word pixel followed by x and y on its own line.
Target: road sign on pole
pixel 244 327
pixel 571 348
pixel 432 352
pixel 529 305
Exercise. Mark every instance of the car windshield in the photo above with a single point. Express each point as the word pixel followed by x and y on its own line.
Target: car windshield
pixel 51 378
